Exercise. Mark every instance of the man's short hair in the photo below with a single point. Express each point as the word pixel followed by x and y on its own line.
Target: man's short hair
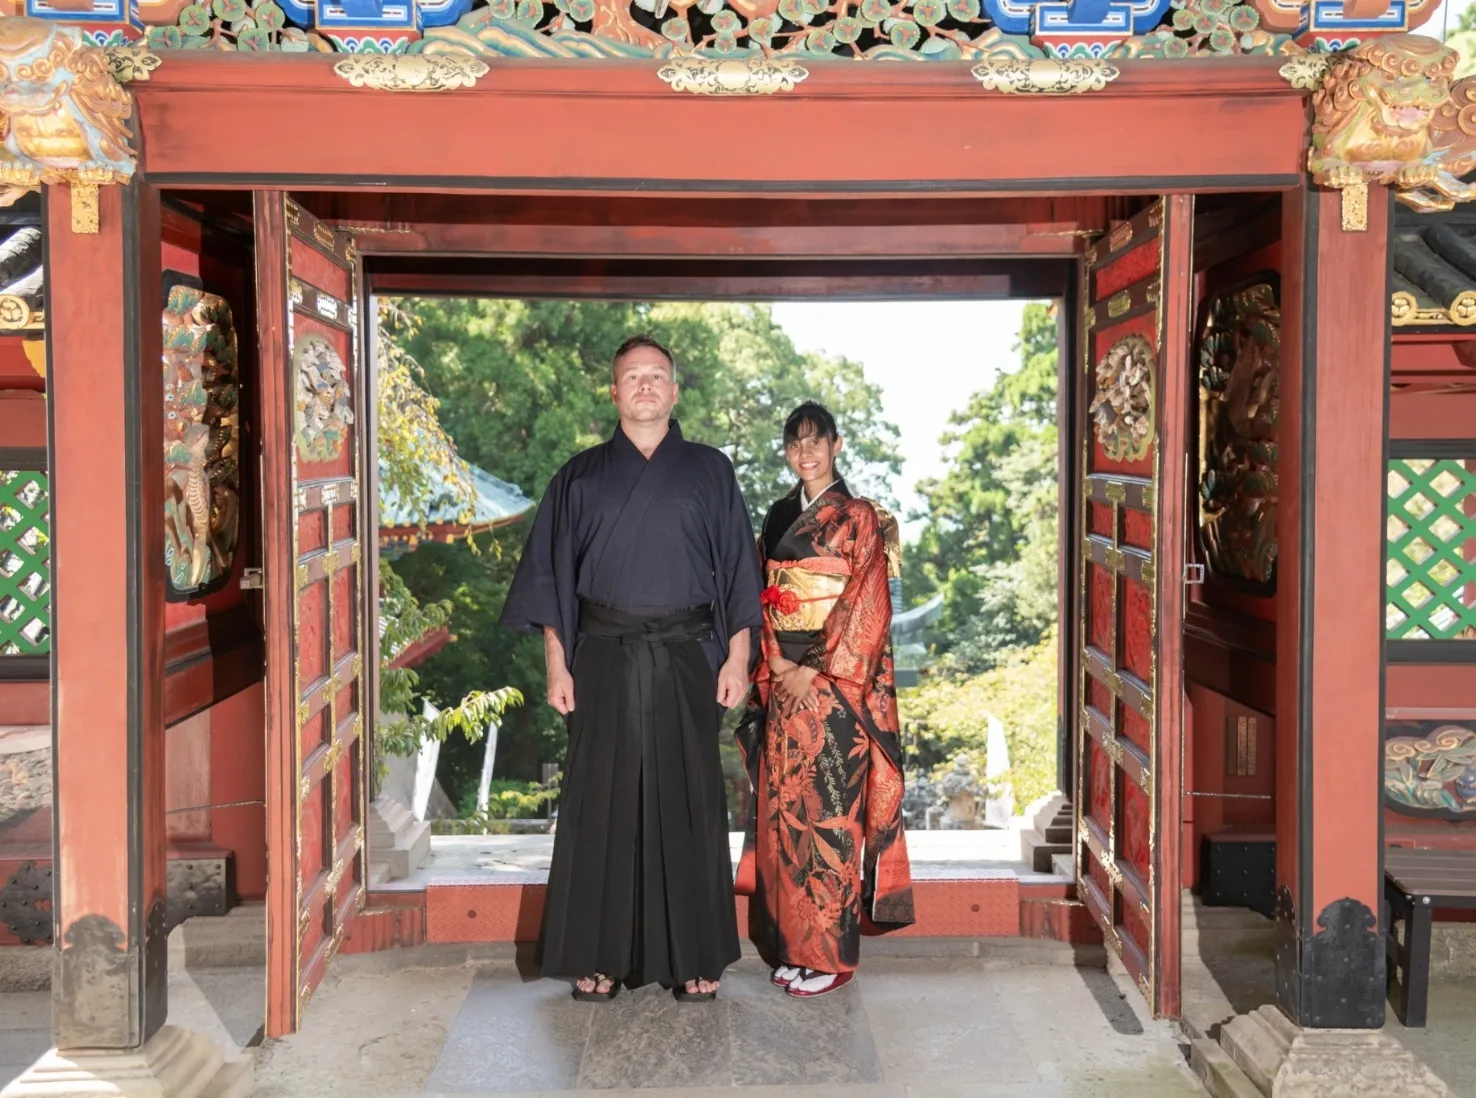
pixel 813 415
pixel 635 343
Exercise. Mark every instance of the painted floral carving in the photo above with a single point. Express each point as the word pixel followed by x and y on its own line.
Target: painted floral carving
pixel 324 414
pixel 1200 28
pixel 1390 112
pixel 62 115
pixel 1122 410
pixel 201 439
pixel 1239 401
pixel 1430 769
pixel 871 29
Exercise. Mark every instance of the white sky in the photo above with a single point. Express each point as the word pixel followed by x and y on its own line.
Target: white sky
pixel 1447 16
pixel 927 356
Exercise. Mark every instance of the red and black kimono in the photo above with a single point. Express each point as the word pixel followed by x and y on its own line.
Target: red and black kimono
pixel 826 842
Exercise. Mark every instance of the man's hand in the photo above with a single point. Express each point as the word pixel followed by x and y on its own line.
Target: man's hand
pixel 561 690
pixel 560 682
pixel 732 681
pixel 733 674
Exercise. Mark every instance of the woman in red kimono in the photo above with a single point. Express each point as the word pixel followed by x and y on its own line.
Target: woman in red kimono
pixel 820 736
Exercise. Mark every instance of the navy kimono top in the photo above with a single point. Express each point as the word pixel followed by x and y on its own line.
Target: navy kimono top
pixel 644 536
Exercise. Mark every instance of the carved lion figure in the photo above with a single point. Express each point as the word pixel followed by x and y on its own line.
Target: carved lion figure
pixel 1390 112
pixel 62 115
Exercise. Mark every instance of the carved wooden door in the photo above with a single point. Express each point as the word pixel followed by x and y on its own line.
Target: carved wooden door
pixel 1132 415
pixel 313 395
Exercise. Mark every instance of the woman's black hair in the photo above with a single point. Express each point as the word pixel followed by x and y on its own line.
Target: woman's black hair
pixel 815 416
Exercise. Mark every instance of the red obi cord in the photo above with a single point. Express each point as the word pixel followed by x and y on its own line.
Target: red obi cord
pixel 782 599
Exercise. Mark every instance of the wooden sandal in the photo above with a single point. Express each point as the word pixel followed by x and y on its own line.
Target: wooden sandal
pixel 596 995
pixel 685 996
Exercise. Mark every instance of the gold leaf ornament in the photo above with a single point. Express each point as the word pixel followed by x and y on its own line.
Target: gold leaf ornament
pixel 412 72
pixel 731 76
pixel 1044 76
pixel 1305 73
pixel 130 63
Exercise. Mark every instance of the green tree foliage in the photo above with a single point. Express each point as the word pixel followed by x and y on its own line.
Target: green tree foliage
pixel 990 538
pixel 524 385
pixel 991 544
pixel 945 715
pixel 419 461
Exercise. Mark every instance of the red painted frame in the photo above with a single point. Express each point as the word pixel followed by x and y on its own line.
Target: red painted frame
pixel 943 138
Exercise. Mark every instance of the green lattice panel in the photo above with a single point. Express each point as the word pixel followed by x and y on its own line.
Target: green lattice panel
pixel 25 563
pixel 1430 572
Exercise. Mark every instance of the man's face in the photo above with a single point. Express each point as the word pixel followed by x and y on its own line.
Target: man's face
pixel 644 389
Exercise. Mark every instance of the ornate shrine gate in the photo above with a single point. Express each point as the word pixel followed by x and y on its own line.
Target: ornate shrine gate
pixel 307 287
pixel 1132 415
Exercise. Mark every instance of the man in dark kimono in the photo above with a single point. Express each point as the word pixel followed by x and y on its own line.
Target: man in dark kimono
pixel 639 572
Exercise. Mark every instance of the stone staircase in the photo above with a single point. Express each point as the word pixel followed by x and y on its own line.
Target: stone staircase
pixel 1047 834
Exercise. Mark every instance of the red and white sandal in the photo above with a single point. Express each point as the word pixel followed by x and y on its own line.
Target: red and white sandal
pixel 785 975
pixel 811 984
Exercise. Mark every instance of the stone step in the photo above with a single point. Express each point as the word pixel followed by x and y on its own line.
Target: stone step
pixel 1037 850
pixel 235 940
pixel 397 840
pixel 1221 1076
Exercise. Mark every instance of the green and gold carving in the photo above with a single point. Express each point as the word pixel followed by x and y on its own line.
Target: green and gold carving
pixel 202 440
pixel 1239 402
pixel 1430 769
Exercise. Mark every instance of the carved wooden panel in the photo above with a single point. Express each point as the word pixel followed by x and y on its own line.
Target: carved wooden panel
pixel 1122 781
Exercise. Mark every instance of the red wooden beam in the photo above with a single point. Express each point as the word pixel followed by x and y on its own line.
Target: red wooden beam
pixel 600 116
pixel 1330 519
pixel 755 228
pixel 1446 355
pixel 107 558
pixel 18 363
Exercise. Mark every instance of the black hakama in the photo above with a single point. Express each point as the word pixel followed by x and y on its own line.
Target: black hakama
pixel 648 567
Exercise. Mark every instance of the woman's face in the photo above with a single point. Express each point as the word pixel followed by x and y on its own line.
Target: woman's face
pixel 812 456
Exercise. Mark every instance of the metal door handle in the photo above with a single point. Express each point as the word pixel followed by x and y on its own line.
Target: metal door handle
pixel 1193 574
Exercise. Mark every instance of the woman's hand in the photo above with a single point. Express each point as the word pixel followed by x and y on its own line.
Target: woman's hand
pixel 796 689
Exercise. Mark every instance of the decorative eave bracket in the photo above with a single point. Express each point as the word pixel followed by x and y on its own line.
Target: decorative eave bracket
pixel 64 113
pixel 1390 112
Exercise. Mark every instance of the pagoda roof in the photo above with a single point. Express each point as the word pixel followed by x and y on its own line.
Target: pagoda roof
pixel 497 503
pixel 1434 276
pixel 22 275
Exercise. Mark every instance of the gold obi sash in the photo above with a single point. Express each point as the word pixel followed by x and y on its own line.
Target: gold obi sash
pixel 801 593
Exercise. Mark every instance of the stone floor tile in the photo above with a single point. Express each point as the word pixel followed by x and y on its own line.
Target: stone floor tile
pixel 778 1040
pixel 25 1010
pixel 942 1026
pixel 513 1036
pixel 1445 1041
pixel 645 1038
pixel 368 1033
